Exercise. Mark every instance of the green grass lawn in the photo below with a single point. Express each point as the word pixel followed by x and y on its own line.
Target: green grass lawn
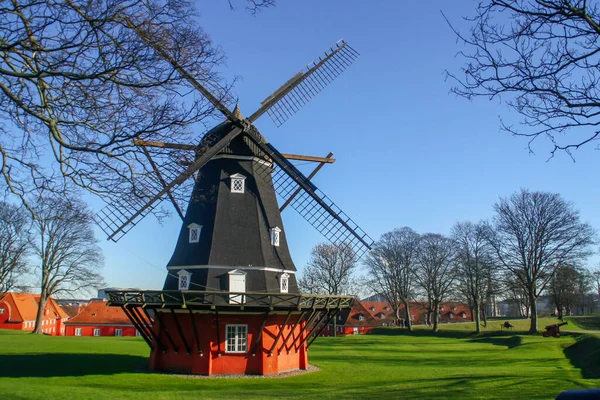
pixel 584 322
pixel 391 364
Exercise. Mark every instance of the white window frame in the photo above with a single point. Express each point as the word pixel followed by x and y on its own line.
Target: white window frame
pixel 236 339
pixel 284 282
pixel 194 234
pixel 77 331
pixel 238 183
pixel 275 236
pixel 138 333
pixel 97 332
pixel 1 310
pixel 118 332
pixel 185 278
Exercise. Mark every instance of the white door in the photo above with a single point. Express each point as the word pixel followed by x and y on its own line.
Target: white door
pixel 237 283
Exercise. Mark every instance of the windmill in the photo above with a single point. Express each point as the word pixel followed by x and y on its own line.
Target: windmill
pixel 231 271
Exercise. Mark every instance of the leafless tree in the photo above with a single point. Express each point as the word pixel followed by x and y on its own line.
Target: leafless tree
pixel 14 246
pixel 391 264
pixel 79 82
pixel 517 294
pixel 330 270
pixel 474 263
pixel 534 233
pixel 563 287
pixel 436 270
pixel 595 273
pixel 69 257
pixel 541 58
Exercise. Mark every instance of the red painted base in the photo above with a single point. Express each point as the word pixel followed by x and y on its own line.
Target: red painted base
pixel 208 353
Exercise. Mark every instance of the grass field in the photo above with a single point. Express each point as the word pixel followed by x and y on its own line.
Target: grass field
pixel 390 364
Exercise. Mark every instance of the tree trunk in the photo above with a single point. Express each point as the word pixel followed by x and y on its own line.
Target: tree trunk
pixel 477 316
pixel 532 301
pixel 473 311
pixel 484 313
pixel 335 326
pixel 408 320
pixel 436 316
pixel 39 319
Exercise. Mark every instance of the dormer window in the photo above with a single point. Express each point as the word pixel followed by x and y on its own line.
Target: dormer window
pixel 195 230
pixel 372 308
pixel 238 183
pixel 275 236
pixel 284 281
pixel 184 279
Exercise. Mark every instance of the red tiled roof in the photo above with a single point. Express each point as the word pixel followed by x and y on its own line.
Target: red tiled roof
pixel 358 309
pixel 99 313
pixel 26 306
pixel 379 307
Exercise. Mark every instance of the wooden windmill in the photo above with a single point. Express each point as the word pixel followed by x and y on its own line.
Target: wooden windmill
pixel 230 303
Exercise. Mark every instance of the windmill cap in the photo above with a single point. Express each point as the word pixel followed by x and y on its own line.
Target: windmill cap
pixel 237 113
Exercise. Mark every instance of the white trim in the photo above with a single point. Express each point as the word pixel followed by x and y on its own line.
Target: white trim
pixel 118 332
pixel 184 279
pixel 98 331
pixel 77 331
pixel 232 267
pixel 236 343
pixel 193 227
pixel 238 183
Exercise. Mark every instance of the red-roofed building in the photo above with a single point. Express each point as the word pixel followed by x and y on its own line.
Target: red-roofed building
pixel 98 319
pixel 449 312
pixel 18 311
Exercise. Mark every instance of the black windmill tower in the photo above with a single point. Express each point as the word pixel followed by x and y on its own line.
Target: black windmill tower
pixel 232 251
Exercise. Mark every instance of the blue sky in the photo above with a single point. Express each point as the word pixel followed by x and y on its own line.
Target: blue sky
pixel 409 153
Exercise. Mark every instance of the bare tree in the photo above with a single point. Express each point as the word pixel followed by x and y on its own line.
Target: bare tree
pixel 79 82
pixel 70 258
pixel 330 270
pixel 474 263
pixel 541 57
pixel 436 271
pixel 534 233
pixel 14 246
pixel 391 265
pixel 563 289
pixel 595 273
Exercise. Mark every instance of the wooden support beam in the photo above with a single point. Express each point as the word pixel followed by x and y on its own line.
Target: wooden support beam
pixel 284 345
pixel 325 313
pixel 280 333
pixel 309 322
pixel 181 335
pixel 260 333
pixel 154 335
pixel 333 315
pixel 138 326
pixel 298 157
pixel 218 334
pixel 200 352
pixel 162 181
pixel 163 145
pixel 163 327
pixel 312 174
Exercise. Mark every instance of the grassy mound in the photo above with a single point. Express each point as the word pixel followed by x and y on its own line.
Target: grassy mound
pixel 584 323
pixel 451 364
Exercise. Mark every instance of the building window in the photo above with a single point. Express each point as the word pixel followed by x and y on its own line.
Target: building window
pixel 238 183
pixel 96 331
pixel 361 317
pixel 184 279
pixel 138 333
pixel 118 332
pixel 284 282
pixel 237 338
pixel 195 230
pixel 77 331
pixel 275 236
pixel 237 284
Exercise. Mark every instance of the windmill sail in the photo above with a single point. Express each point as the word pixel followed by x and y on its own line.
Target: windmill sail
pixel 306 84
pixel 311 203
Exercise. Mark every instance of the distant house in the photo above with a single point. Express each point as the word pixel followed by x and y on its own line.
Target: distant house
pixel 98 319
pixel 356 320
pixel 18 311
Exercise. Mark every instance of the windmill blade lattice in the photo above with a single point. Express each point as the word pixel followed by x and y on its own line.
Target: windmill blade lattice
pixel 312 204
pixel 119 216
pixel 312 79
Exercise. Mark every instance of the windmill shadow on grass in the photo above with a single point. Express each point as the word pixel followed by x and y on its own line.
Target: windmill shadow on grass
pixel 70 364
